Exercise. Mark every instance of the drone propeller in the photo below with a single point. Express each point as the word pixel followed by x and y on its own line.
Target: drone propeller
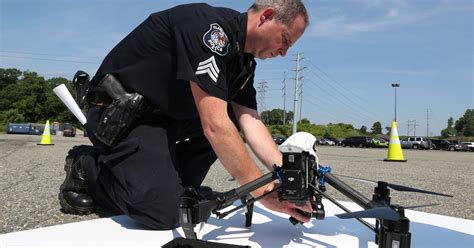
pixel 377 213
pixel 398 187
pixel 417 206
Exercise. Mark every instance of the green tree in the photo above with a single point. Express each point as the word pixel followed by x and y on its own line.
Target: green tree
pixel 449 131
pixel 377 128
pixel 465 125
pixel 328 134
pixel 8 76
pixel 363 129
pixel 11 115
pixel 388 129
pixel 275 117
pixel 304 121
pixel 28 97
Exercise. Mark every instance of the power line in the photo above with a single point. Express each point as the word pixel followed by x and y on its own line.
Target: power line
pixel 331 101
pixel 350 99
pixel 50 55
pixel 353 108
pixel 56 60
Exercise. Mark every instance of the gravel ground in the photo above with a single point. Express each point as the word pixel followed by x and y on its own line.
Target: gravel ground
pixel 30 176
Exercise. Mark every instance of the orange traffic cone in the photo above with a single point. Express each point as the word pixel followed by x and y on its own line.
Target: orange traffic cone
pixel 395 153
pixel 46 136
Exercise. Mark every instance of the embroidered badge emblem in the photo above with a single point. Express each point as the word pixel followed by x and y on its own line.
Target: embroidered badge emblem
pixel 216 40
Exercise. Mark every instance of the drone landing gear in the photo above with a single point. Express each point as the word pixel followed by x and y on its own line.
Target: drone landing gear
pixel 196 207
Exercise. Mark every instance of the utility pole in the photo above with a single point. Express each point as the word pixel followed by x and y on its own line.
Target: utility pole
pixel 295 104
pixel 395 86
pixel 301 99
pixel 413 122
pixel 408 128
pixel 262 90
pixel 427 123
pixel 284 97
pixel 414 128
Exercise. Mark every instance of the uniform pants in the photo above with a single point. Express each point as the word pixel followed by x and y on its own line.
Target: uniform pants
pixel 144 174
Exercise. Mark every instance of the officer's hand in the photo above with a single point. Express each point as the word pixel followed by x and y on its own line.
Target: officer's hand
pixel 272 202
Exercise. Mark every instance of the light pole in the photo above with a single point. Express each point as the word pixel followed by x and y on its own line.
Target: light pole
pixel 395 86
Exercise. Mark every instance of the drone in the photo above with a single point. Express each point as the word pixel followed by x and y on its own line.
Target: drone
pixel 303 179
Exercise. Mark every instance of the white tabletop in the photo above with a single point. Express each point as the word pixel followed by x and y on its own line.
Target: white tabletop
pixel 269 229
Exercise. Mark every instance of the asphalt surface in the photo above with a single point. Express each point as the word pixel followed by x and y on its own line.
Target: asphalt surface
pixel 30 176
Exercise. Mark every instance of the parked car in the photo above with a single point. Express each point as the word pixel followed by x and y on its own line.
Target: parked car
pixel 359 141
pixel 325 142
pixel 441 144
pixel 415 142
pixel 379 142
pixel 457 145
pixel 467 146
pixel 69 131
pixel 338 141
pixel 279 139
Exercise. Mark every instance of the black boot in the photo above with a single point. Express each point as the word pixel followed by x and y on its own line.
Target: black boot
pixel 73 194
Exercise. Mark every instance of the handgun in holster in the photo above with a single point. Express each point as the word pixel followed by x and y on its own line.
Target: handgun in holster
pixel 117 117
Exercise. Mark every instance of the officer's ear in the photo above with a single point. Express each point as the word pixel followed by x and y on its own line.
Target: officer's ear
pixel 267 15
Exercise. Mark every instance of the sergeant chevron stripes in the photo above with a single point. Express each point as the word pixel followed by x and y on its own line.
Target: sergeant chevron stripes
pixel 209 67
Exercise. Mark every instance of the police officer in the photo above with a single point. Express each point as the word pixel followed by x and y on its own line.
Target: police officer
pixel 193 65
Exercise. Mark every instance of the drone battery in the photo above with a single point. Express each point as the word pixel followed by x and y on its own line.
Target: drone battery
pixel 294 185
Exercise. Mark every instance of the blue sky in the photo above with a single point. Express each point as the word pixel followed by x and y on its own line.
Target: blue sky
pixel 353 51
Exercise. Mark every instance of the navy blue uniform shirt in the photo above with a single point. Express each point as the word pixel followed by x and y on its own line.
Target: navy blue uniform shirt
pixel 193 42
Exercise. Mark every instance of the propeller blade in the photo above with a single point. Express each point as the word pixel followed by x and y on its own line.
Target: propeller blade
pixel 377 213
pixel 421 206
pixel 356 178
pixel 409 189
pixel 398 187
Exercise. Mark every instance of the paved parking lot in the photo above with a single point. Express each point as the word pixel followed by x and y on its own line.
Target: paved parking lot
pixel 31 174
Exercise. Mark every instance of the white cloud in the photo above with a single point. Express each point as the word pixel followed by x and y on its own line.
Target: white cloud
pixel 368 16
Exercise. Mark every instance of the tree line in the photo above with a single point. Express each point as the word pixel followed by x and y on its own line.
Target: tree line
pixel 26 97
pixel 281 125
pixel 280 122
pixel 464 126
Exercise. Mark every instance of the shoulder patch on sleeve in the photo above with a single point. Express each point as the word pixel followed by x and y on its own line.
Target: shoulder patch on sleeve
pixel 216 40
pixel 209 67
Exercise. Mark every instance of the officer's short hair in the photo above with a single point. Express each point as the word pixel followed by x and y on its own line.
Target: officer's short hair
pixel 286 10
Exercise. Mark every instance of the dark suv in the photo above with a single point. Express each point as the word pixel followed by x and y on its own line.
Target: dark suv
pixel 357 141
pixel 438 144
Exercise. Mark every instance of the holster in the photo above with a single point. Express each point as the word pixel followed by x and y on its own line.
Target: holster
pixel 119 114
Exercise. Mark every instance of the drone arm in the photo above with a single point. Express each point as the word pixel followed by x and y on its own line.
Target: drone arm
pixel 230 196
pixel 246 203
pixel 348 191
pixel 365 223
